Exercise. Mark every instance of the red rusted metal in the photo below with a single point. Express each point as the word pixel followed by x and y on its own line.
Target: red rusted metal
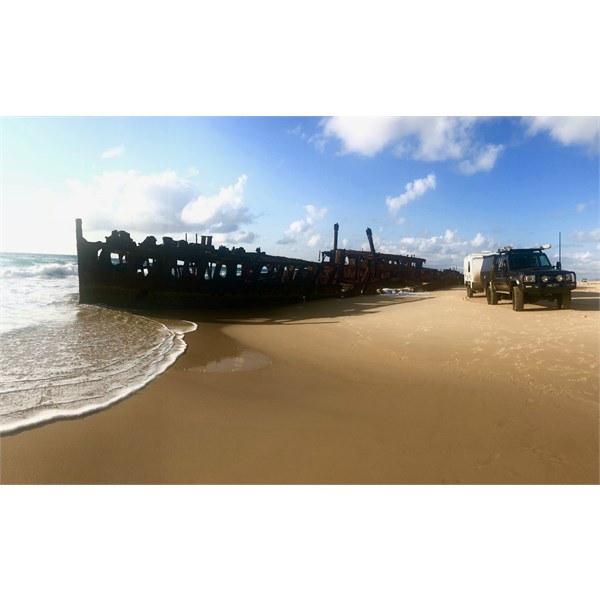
pixel 178 274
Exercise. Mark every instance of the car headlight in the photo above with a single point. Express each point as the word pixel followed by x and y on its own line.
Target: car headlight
pixel 545 278
pixel 529 278
pixel 568 277
pixel 559 278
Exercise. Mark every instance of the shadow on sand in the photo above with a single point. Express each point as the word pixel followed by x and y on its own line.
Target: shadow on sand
pixel 325 310
pixel 582 302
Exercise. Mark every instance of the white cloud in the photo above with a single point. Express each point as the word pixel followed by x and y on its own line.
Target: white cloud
pixel 441 251
pixel 448 249
pixel 112 152
pixel 363 135
pixel 588 236
pixel 580 131
pixel 585 263
pixel 314 240
pixel 130 199
pixel 296 228
pixel 143 204
pixel 317 140
pixel 584 257
pixel 159 203
pixel 478 241
pixel 222 213
pixel 449 236
pixel 235 238
pixel 304 227
pixel 413 190
pixel 483 161
pixel 314 213
pixel 420 138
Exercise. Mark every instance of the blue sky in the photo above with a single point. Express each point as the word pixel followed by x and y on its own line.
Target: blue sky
pixel 436 187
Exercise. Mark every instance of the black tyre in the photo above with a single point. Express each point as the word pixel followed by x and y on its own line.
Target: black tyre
pixel 469 291
pixel 559 301
pixel 493 296
pixel 518 298
pixel 566 299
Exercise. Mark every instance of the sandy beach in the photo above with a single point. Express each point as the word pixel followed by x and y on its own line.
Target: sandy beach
pixel 424 389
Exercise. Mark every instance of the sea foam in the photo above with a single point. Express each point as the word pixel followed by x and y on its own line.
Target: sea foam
pixel 69 369
pixel 49 270
pixel 60 359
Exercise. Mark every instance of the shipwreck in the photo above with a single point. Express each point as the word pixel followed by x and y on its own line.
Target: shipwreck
pixel 180 274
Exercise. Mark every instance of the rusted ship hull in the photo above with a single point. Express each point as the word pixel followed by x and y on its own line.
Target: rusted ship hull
pixel 121 273
pixel 178 274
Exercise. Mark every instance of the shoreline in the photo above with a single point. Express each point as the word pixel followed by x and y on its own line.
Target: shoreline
pixel 177 327
pixel 373 389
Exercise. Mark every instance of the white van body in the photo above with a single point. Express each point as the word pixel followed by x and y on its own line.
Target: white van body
pixel 472 271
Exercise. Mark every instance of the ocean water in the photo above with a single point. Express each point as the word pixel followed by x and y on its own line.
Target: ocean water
pixel 60 359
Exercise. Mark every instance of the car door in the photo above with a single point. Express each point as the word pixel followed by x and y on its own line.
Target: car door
pixel 500 274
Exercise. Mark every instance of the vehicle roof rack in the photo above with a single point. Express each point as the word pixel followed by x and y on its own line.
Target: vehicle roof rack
pixel 538 248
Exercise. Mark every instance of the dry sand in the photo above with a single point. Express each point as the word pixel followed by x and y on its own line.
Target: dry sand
pixel 431 388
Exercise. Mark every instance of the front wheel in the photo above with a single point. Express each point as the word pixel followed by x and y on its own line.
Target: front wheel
pixel 492 296
pixel 469 291
pixel 518 298
pixel 564 301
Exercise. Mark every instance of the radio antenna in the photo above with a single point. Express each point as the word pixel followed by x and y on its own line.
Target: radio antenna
pixel 559 249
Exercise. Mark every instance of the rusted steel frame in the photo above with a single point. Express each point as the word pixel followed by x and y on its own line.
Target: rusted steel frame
pixel 173 270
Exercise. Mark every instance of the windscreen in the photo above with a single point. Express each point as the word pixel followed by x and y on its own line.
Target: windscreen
pixel 528 260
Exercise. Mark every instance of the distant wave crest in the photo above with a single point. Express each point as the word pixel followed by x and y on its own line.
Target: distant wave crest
pixel 49 271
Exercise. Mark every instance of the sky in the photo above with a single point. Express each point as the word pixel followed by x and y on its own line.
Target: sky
pixel 435 187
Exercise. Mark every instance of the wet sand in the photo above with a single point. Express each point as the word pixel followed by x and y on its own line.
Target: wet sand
pixel 423 389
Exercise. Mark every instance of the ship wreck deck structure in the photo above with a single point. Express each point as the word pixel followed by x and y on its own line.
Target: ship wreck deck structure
pixel 180 274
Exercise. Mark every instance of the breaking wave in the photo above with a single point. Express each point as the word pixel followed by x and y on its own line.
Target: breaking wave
pixel 67 369
pixel 60 359
pixel 47 271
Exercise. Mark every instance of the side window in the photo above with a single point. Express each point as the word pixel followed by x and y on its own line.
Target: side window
pixel 500 264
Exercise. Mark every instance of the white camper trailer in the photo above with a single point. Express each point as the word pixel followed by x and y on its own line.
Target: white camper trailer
pixel 475 265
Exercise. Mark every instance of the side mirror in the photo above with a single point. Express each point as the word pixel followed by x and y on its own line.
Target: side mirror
pixel 558 265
